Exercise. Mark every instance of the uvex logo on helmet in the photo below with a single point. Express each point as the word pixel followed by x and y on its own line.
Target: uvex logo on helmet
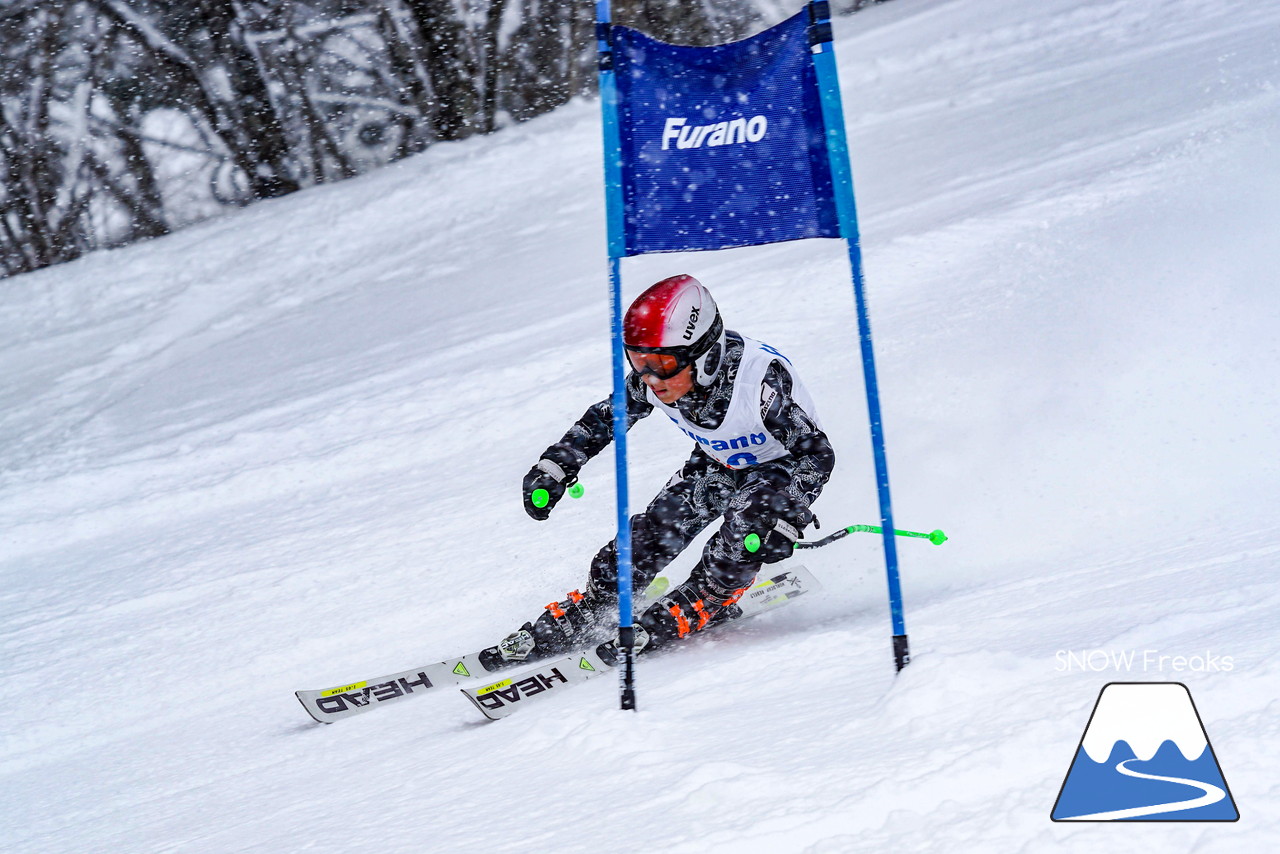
pixel 678 318
pixel 693 324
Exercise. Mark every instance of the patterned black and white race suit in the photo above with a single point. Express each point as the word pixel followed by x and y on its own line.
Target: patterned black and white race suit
pixel 755 430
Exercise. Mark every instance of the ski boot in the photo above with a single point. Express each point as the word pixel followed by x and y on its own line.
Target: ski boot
pixel 562 627
pixel 693 606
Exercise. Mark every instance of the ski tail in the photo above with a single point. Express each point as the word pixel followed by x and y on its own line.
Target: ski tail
pixel 327 705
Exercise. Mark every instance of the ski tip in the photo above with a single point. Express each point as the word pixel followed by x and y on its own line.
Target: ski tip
pixel 805 577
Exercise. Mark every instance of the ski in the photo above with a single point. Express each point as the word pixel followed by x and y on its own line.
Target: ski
pixel 499 699
pixel 333 704
pixel 326 705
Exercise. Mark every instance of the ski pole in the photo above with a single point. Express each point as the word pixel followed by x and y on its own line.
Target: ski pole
pixel 752 541
pixel 541 498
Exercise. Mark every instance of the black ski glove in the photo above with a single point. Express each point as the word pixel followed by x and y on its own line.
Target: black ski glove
pixel 544 485
pixel 778 521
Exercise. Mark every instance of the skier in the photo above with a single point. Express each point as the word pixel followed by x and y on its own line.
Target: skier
pixel 760 459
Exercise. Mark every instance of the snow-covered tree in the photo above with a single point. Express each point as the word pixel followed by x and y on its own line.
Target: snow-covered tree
pixel 123 119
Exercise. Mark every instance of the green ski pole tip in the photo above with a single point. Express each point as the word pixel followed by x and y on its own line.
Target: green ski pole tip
pixel 752 543
pixel 577 489
pixel 540 498
pixel 937 538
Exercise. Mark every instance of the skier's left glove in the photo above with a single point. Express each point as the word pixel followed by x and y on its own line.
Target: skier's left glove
pixel 779 521
pixel 544 485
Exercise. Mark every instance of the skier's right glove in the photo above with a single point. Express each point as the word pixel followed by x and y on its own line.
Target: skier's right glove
pixel 544 485
pixel 780 520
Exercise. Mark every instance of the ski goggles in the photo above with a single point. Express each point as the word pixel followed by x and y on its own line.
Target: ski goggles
pixel 664 366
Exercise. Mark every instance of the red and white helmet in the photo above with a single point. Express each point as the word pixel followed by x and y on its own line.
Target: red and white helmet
pixel 672 325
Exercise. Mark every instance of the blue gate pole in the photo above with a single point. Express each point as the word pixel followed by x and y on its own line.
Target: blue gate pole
pixel 614 213
pixel 824 62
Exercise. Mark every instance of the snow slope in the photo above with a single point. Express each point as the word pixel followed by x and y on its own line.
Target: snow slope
pixel 283 449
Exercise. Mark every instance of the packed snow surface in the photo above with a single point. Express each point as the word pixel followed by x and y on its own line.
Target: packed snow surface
pixel 283 450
